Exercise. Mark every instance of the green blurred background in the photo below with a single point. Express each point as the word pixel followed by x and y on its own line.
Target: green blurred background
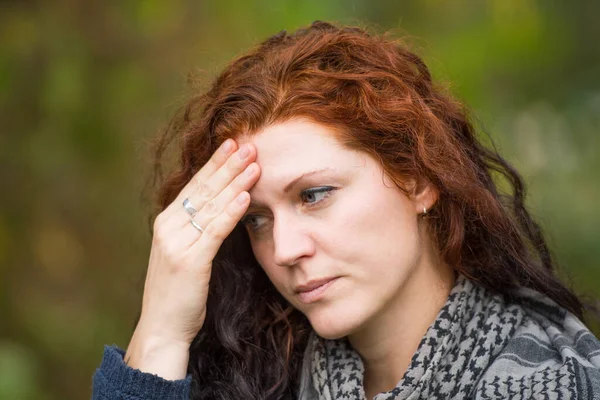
pixel 84 86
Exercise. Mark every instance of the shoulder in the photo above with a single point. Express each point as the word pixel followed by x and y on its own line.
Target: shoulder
pixel 551 355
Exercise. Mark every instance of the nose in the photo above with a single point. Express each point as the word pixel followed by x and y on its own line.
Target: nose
pixel 291 240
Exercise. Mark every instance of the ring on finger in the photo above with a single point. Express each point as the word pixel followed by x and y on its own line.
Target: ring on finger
pixel 196 225
pixel 189 208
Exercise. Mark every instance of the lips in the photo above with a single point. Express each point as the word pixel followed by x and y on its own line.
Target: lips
pixel 314 290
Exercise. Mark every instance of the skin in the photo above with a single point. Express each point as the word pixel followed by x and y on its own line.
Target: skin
pixel 176 287
pixel 361 230
pixel 390 283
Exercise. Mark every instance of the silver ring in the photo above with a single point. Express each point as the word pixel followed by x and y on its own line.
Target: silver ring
pixel 195 225
pixel 187 205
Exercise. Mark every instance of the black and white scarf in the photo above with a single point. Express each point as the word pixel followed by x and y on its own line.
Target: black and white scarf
pixel 479 346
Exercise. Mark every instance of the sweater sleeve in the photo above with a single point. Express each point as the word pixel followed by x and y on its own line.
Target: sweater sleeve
pixel 116 380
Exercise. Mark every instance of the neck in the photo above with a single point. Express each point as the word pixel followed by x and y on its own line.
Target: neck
pixel 391 338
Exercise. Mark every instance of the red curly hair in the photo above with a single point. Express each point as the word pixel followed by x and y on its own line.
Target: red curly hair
pixel 379 98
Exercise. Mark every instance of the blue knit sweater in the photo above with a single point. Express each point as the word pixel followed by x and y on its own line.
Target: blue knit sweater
pixel 116 380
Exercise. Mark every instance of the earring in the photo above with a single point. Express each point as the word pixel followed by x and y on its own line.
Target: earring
pixel 424 210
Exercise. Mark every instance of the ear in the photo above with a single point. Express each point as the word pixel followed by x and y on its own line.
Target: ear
pixel 424 195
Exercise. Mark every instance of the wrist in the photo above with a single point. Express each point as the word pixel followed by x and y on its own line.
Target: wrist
pixel 166 358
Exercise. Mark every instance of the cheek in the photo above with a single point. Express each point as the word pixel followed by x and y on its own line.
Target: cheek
pixel 263 254
pixel 376 240
pixel 260 253
pixel 379 222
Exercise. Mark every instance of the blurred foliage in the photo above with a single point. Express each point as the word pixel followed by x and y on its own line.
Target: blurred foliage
pixel 84 85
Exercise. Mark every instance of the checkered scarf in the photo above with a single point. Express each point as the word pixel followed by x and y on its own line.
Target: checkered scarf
pixel 479 346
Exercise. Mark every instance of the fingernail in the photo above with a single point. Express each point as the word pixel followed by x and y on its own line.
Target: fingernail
pixel 227 146
pixel 244 151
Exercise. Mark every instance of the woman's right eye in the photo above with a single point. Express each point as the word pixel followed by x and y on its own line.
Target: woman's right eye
pixel 253 222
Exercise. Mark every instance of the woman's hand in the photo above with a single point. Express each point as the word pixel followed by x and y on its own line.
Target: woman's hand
pixel 176 288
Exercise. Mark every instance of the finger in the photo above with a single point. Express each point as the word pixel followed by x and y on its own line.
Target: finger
pixel 170 240
pixel 219 228
pixel 218 159
pixel 191 232
pixel 202 198
pixel 216 206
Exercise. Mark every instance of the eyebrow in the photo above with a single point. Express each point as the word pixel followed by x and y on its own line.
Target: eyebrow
pixel 295 181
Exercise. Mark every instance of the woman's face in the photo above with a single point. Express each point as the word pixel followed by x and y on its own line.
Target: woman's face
pixel 336 237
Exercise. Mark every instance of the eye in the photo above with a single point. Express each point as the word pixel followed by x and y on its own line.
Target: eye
pixel 316 195
pixel 253 222
pixel 310 197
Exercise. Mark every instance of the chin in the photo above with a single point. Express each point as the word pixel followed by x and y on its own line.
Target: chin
pixel 329 324
pixel 328 333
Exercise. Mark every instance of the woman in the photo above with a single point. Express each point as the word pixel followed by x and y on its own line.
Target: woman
pixel 334 231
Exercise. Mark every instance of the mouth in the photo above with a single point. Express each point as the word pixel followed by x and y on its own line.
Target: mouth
pixel 314 290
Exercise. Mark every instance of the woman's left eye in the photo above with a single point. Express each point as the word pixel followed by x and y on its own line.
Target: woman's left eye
pixel 316 195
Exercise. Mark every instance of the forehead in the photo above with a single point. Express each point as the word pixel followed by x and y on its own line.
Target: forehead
pixel 295 143
pixel 288 150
